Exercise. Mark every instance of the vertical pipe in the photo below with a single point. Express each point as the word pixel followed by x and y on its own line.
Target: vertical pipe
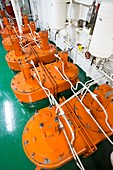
pixel 15 6
pixel 19 11
pixel 33 10
pixel 29 7
pixel 1 6
pixel 69 24
pixel 1 24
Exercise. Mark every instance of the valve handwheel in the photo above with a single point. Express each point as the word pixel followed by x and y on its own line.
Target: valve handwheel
pixel 87 55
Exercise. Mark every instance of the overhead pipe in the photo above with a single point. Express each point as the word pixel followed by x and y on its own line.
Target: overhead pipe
pixel 1 24
pixel 69 23
pixel 33 10
pixel 16 8
pixel 19 11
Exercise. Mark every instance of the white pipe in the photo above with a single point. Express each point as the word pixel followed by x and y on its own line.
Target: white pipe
pixel 19 11
pixel 69 24
pixel 33 9
pixel 23 2
pixel 1 6
pixel 1 24
pixel 111 158
pixel 75 48
pixel 106 75
pixel 15 6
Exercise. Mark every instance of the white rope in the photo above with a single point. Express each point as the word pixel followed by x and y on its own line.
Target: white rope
pixel 74 153
pixel 52 100
pixel 93 95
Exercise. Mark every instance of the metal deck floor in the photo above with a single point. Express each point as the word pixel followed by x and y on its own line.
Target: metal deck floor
pixel 14 116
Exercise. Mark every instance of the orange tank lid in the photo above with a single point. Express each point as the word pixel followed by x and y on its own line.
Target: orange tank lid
pixel 44 140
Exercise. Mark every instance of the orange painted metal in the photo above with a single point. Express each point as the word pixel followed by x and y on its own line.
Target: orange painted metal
pixel 105 96
pixel 25 19
pixel 25 28
pixel 16 46
pixel 27 36
pixel 44 52
pixel 33 27
pixel 44 39
pixel 27 89
pixel 2 13
pixel 7 43
pixel 4 31
pixel 16 56
pixel 5 21
pixel 44 141
pixel 9 8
